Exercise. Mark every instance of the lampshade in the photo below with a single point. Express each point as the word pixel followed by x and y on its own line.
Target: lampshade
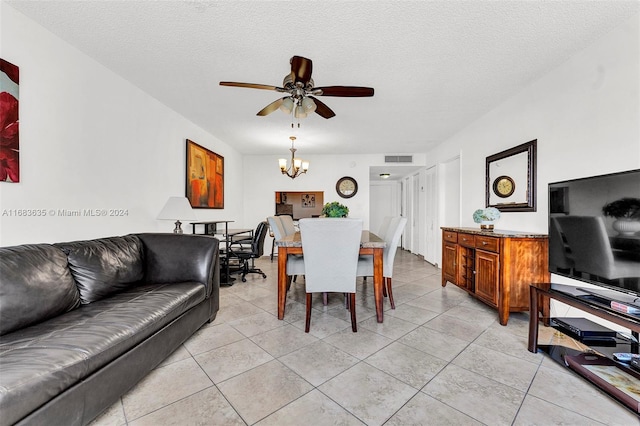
pixel 308 105
pixel 287 105
pixel 177 208
pixel 300 113
pixel 283 163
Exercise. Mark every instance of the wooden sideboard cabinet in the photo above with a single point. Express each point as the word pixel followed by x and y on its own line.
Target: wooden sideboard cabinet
pixel 496 267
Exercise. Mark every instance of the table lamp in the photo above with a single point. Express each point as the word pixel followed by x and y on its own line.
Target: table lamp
pixel 177 208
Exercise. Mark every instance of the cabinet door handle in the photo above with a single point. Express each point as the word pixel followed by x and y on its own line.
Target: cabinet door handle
pixel 484 243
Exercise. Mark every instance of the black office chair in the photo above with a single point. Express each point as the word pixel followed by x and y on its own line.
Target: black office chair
pixel 250 254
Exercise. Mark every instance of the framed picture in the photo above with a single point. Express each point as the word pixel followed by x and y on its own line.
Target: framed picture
pixel 308 200
pixel 205 177
pixel 9 145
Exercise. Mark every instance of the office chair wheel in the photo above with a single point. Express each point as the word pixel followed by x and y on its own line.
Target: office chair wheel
pixel 264 275
pixel 244 279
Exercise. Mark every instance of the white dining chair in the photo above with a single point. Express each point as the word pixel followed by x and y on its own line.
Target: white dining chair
pixel 331 247
pixel 295 263
pixel 392 238
pixel 384 227
pixel 287 224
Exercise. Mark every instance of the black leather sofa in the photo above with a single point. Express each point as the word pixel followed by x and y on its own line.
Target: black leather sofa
pixel 82 322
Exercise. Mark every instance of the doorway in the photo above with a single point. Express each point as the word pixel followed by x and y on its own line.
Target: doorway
pixel 299 205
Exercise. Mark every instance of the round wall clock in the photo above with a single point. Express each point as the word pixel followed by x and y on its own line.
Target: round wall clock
pixel 347 187
pixel 504 186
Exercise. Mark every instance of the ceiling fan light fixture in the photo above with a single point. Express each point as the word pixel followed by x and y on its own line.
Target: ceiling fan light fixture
pixel 384 175
pixel 287 105
pixel 308 105
pixel 300 90
pixel 300 112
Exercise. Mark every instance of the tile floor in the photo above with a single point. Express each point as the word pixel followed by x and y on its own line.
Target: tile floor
pixel 439 358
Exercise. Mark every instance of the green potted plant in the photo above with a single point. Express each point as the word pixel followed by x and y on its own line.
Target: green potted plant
pixel 626 211
pixel 335 209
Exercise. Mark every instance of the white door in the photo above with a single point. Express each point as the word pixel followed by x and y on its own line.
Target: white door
pixel 407 211
pixel 431 219
pixel 415 215
pixel 383 201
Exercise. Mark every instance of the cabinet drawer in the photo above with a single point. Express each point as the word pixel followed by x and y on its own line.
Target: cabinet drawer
pixel 466 240
pixel 450 236
pixel 487 243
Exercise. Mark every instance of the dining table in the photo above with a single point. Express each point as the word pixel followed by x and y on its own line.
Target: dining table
pixel 370 245
pixel 227 236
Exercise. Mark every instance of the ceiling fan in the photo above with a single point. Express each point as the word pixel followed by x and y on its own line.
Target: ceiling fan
pixel 301 92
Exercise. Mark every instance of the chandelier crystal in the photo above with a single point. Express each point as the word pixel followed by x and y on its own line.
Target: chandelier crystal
pixel 297 166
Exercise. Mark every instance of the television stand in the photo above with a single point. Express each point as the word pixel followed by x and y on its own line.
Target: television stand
pixel 568 348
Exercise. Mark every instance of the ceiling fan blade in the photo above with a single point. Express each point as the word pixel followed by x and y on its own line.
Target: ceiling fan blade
pixel 301 69
pixel 322 109
pixel 248 85
pixel 271 107
pixel 344 91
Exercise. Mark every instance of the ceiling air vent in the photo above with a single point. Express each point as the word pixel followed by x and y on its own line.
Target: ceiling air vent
pixel 398 158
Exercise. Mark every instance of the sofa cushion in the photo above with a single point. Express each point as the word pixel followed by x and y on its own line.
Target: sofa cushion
pixel 44 360
pixel 104 266
pixel 35 284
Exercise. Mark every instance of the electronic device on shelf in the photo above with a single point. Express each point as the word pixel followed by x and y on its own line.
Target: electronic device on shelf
pixel 589 242
pixel 584 328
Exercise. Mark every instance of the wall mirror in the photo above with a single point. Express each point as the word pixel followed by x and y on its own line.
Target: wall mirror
pixel 511 179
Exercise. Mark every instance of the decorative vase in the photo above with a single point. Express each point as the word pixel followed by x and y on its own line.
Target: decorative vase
pixel 626 226
pixel 486 225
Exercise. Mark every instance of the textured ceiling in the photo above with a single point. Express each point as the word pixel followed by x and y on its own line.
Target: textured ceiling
pixel 436 66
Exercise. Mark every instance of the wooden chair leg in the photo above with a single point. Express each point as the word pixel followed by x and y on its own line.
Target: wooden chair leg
pixel 384 287
pixel 288 282
pixel 352 306
pixel 387 286
pixel 308 320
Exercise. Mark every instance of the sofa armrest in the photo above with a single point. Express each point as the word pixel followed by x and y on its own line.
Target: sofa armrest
pixel 182 257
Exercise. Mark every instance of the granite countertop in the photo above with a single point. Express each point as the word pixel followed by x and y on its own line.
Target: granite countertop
pixel 495 232
pixel 368 240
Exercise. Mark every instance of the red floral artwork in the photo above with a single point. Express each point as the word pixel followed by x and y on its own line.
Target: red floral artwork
pixel 9 146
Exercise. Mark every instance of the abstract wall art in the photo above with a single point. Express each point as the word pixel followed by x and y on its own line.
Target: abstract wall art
pixel 205 177
pixel 9 146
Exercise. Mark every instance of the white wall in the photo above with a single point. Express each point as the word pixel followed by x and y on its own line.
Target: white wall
pixel 585 115
pixel 91 140
pixel 324 171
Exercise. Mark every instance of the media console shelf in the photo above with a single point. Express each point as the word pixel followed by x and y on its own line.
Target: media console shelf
pixel 542 293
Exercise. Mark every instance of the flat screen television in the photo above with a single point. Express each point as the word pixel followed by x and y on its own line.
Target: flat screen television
pixel 587 241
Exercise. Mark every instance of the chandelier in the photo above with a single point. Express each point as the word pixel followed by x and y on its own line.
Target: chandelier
pixel 297 166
